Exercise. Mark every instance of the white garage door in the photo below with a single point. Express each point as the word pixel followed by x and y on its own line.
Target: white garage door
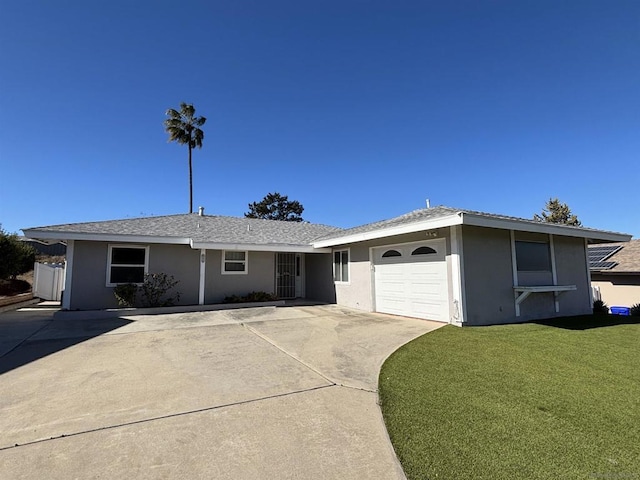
pixel 411 280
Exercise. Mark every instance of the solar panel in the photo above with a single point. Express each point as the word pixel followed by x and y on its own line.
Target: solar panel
pixel 599 254
pixel 602 265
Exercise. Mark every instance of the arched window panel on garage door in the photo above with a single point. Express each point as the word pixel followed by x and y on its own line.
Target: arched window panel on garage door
pixel 391 253
pixel 423 251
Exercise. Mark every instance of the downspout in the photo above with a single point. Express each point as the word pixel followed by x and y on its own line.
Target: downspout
pixel 203 265
pixel 68 276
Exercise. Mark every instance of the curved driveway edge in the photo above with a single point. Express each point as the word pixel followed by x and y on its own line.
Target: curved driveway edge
pixel 287 392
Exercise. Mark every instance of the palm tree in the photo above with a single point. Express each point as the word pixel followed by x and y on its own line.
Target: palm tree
pixel 183 127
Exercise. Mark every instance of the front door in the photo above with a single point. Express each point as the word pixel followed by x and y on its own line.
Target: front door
pixel 287 270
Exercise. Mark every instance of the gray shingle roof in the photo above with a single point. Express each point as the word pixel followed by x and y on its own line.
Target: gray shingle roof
pixel 424 214
pixel 406 219
pixel 235 230
pixel 205 228
pixel 627 259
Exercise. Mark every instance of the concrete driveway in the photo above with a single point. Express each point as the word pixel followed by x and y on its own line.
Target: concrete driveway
pixel 257 393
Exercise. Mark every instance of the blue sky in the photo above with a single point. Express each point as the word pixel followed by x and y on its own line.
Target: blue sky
pixel 358 109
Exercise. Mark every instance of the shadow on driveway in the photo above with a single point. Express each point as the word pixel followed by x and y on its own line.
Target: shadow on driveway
pixel 31 334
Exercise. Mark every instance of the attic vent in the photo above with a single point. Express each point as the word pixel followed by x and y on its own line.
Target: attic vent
pixel 201 211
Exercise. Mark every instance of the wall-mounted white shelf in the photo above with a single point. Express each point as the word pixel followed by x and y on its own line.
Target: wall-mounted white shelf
pixel 522 292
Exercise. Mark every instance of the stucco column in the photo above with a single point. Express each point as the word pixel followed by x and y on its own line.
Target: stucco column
pixel 457 277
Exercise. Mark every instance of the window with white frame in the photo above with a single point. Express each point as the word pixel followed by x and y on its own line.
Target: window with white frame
pixel 234 262
pixel 127 264
pixel 341 266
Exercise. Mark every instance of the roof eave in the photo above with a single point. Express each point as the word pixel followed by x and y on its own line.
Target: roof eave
pixel 541 227
pixel 616 272
pixel 464 218
pixel 432 224
pixel 104 237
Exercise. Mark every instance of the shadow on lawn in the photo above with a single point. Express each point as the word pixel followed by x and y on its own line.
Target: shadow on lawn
pixel 585 322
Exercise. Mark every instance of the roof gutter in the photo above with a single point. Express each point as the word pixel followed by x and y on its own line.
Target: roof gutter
pixel 255 247
pixel 55 236
pixel 48 235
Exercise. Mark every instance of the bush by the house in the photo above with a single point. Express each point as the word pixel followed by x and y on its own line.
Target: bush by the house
pixel 154 291
pixel 126 294
pixel 600 307
pixel 635 310
pixel 13 287
pixel 16 257
pixel 251 297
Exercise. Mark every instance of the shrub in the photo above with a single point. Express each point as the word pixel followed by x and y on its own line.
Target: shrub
pixel 251 297
pixel 16 257
pixel 153 291
pixel 600 307
pixel 126 294
pixel 635 310
pixel 14 287
pixel 155 287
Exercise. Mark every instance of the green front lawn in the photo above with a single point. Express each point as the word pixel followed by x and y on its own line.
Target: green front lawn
pixel 509 402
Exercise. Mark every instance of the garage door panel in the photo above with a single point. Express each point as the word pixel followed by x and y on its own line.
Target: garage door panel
pixel 414 286
pixel 427 311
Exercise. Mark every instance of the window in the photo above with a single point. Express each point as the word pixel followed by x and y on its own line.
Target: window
pixel 533 257
pixel 234 262
pixel 341 266
pixel 391 253
pixel 126 264
pixel 423 251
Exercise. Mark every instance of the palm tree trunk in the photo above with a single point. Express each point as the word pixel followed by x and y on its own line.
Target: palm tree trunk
pixel 190 183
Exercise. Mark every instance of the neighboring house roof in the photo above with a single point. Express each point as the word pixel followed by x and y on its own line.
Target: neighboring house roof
pixel 441 216
pixel 618 258
pixel 55 249
pixel 199 231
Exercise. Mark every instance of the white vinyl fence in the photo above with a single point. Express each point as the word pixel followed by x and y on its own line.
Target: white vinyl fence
pixel 48 281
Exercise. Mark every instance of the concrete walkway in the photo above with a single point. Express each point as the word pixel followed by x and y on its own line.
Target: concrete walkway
pixel 258 393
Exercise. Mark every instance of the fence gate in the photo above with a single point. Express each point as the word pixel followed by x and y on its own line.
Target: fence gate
pixel 48 281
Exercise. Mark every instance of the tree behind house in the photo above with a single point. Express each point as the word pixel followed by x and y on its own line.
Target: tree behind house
pixel 276 207
pixel 184 127
pixel 557 212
